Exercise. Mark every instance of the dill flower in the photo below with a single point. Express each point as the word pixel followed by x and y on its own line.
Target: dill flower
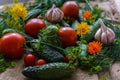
pixel 13 23
pixel 18 11
pixel 94 47
pixel 82 28
pixel 87 14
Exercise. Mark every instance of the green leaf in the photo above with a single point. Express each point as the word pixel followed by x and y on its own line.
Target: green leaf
pixel 105 78
pixel 88 6
pixel 95 63
pixel 4 63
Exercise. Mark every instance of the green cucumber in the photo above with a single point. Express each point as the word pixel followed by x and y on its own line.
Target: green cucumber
pixel 49 71
pixel 49 53
pixel 28 38
pixel 32 14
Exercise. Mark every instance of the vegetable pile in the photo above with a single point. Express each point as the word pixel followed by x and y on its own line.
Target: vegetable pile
pixel 59 36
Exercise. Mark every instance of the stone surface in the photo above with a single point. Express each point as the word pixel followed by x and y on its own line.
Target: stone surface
pixel 115 71
pixel 112 74
pixel 82 75
pixel 14 73
pixel 104 75
pixel 2 2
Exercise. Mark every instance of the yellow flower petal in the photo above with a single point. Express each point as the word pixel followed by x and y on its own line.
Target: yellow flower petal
pixel 18 11
pixel 82 28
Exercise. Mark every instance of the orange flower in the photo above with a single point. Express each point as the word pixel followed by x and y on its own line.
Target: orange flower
pixel 87 14
pixel 94 47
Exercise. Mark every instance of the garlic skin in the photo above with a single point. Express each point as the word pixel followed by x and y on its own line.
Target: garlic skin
pixel 54 15
pixel 104 34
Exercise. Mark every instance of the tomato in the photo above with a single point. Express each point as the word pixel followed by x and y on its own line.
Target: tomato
pixel 66 59
pixel 11 45
pixel 0 44
pixel 68 36
pixel 29 59
pixel 33 26
pixel 40 62
pixel 70 9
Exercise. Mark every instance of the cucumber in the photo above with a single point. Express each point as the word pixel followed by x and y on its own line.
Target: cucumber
pixel 52 55
pixel 48 53
pixel 28 38
pixel 32 14
pixel 8 30
pixel 49 71
pixel 57 48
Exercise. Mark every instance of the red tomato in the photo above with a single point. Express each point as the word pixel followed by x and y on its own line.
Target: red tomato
pixel 67 36
pixel 29 59
pixel 70 9
pixel 11 45
pixel 33 26
pixel 40 62
pixel 66 59
pixel 0 44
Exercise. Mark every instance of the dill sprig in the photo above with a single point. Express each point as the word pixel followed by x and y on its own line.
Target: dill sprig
pixel 4 64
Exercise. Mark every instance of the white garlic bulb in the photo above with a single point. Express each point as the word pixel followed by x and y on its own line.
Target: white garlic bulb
pixel 54 15
pixel 104 34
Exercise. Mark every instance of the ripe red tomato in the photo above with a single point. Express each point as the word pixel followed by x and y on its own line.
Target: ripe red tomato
pixel 67 36
pixel 33 26
pixel 11 45
pixel 40 62
pixel 66 59
pixel 0 44
pixel 70 9
pixel 29 59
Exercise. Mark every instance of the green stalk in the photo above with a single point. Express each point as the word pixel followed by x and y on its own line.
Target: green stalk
pixel 89 6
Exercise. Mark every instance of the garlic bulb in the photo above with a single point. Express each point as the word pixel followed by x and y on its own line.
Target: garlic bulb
pixel 104 34
pixel 54 15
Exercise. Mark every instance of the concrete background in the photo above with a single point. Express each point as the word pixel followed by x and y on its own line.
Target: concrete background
pixel 2 2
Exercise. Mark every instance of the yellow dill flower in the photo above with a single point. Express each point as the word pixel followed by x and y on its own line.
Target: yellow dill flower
pixel 94 47
pixel 18 11
pixel 13 23
pixel 82 29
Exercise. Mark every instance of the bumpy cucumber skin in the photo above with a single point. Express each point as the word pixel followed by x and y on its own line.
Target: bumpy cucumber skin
pixel 48 53
pixel 49 71
pixel 52 55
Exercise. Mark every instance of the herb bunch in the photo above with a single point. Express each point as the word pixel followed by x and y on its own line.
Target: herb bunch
pixel 4 64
